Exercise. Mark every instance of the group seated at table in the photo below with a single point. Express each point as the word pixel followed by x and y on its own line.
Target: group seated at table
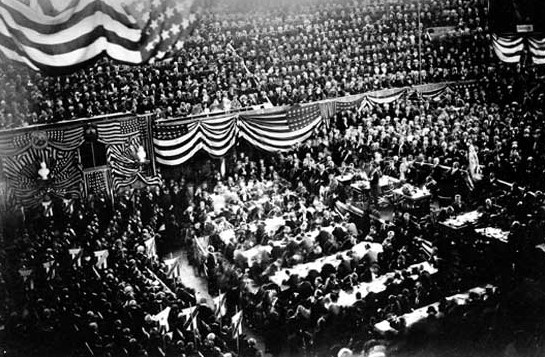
pixel 296 190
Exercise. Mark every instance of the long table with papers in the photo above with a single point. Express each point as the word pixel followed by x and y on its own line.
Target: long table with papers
pixel 348 298
pixel 302 270
pixel 256 251
pixel 421 313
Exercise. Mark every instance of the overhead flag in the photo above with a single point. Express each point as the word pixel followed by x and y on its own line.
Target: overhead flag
pixel 60 38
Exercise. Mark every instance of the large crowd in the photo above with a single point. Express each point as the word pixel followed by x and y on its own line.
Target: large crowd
pixel 244 54
pixel 292 210
pixel 312 245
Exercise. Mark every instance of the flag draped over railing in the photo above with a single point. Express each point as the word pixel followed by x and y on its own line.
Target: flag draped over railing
pixel 509 48
pixel 280 131
pixel 58 36
pixel 176 143
pixel 277 130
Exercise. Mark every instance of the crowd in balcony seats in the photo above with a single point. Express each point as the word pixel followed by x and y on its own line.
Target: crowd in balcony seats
pixel 244 54
pixel 423 142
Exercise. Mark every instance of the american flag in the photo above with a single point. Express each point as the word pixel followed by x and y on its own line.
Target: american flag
pixel 166 132
pixel 60 36
pixel 120 130
pixel 348 103
pixel 282 129
pixel 175 143
pixel 298 117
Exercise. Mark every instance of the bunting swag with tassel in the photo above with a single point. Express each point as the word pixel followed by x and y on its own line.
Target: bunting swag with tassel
pixel 508 48
pixel 27 186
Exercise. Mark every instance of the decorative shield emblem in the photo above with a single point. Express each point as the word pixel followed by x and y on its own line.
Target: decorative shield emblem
pixel 39 140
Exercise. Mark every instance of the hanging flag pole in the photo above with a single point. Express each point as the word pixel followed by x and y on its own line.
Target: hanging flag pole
pixel 419 45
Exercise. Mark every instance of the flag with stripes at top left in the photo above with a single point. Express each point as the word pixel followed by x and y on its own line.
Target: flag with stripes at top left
pixel 63 35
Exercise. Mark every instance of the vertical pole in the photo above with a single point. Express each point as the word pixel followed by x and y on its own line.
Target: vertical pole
pixel 151 149
pixel 419 46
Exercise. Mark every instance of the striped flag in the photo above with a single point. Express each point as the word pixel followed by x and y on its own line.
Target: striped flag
pixel 126 167
pixel 508 48
pixel 537 49
pixel 60 36
pixel 119 131
pixel 280 130
pixel 21 171
pixel 178 142
pixel 348 103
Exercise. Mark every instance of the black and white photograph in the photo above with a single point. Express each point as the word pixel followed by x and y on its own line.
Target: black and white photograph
pixel 272 178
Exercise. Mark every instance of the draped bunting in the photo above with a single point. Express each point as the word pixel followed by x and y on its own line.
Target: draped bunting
pixel 274 130
pixel 215 135
pixel 22 151
pixel 537 49
pixel 385 96
pixel 27 186
pixel 433 91
pixel 125 165
pixel 280 130
pixel 508 48
pixel 22 154
pixel 61 139
pixel 349 102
